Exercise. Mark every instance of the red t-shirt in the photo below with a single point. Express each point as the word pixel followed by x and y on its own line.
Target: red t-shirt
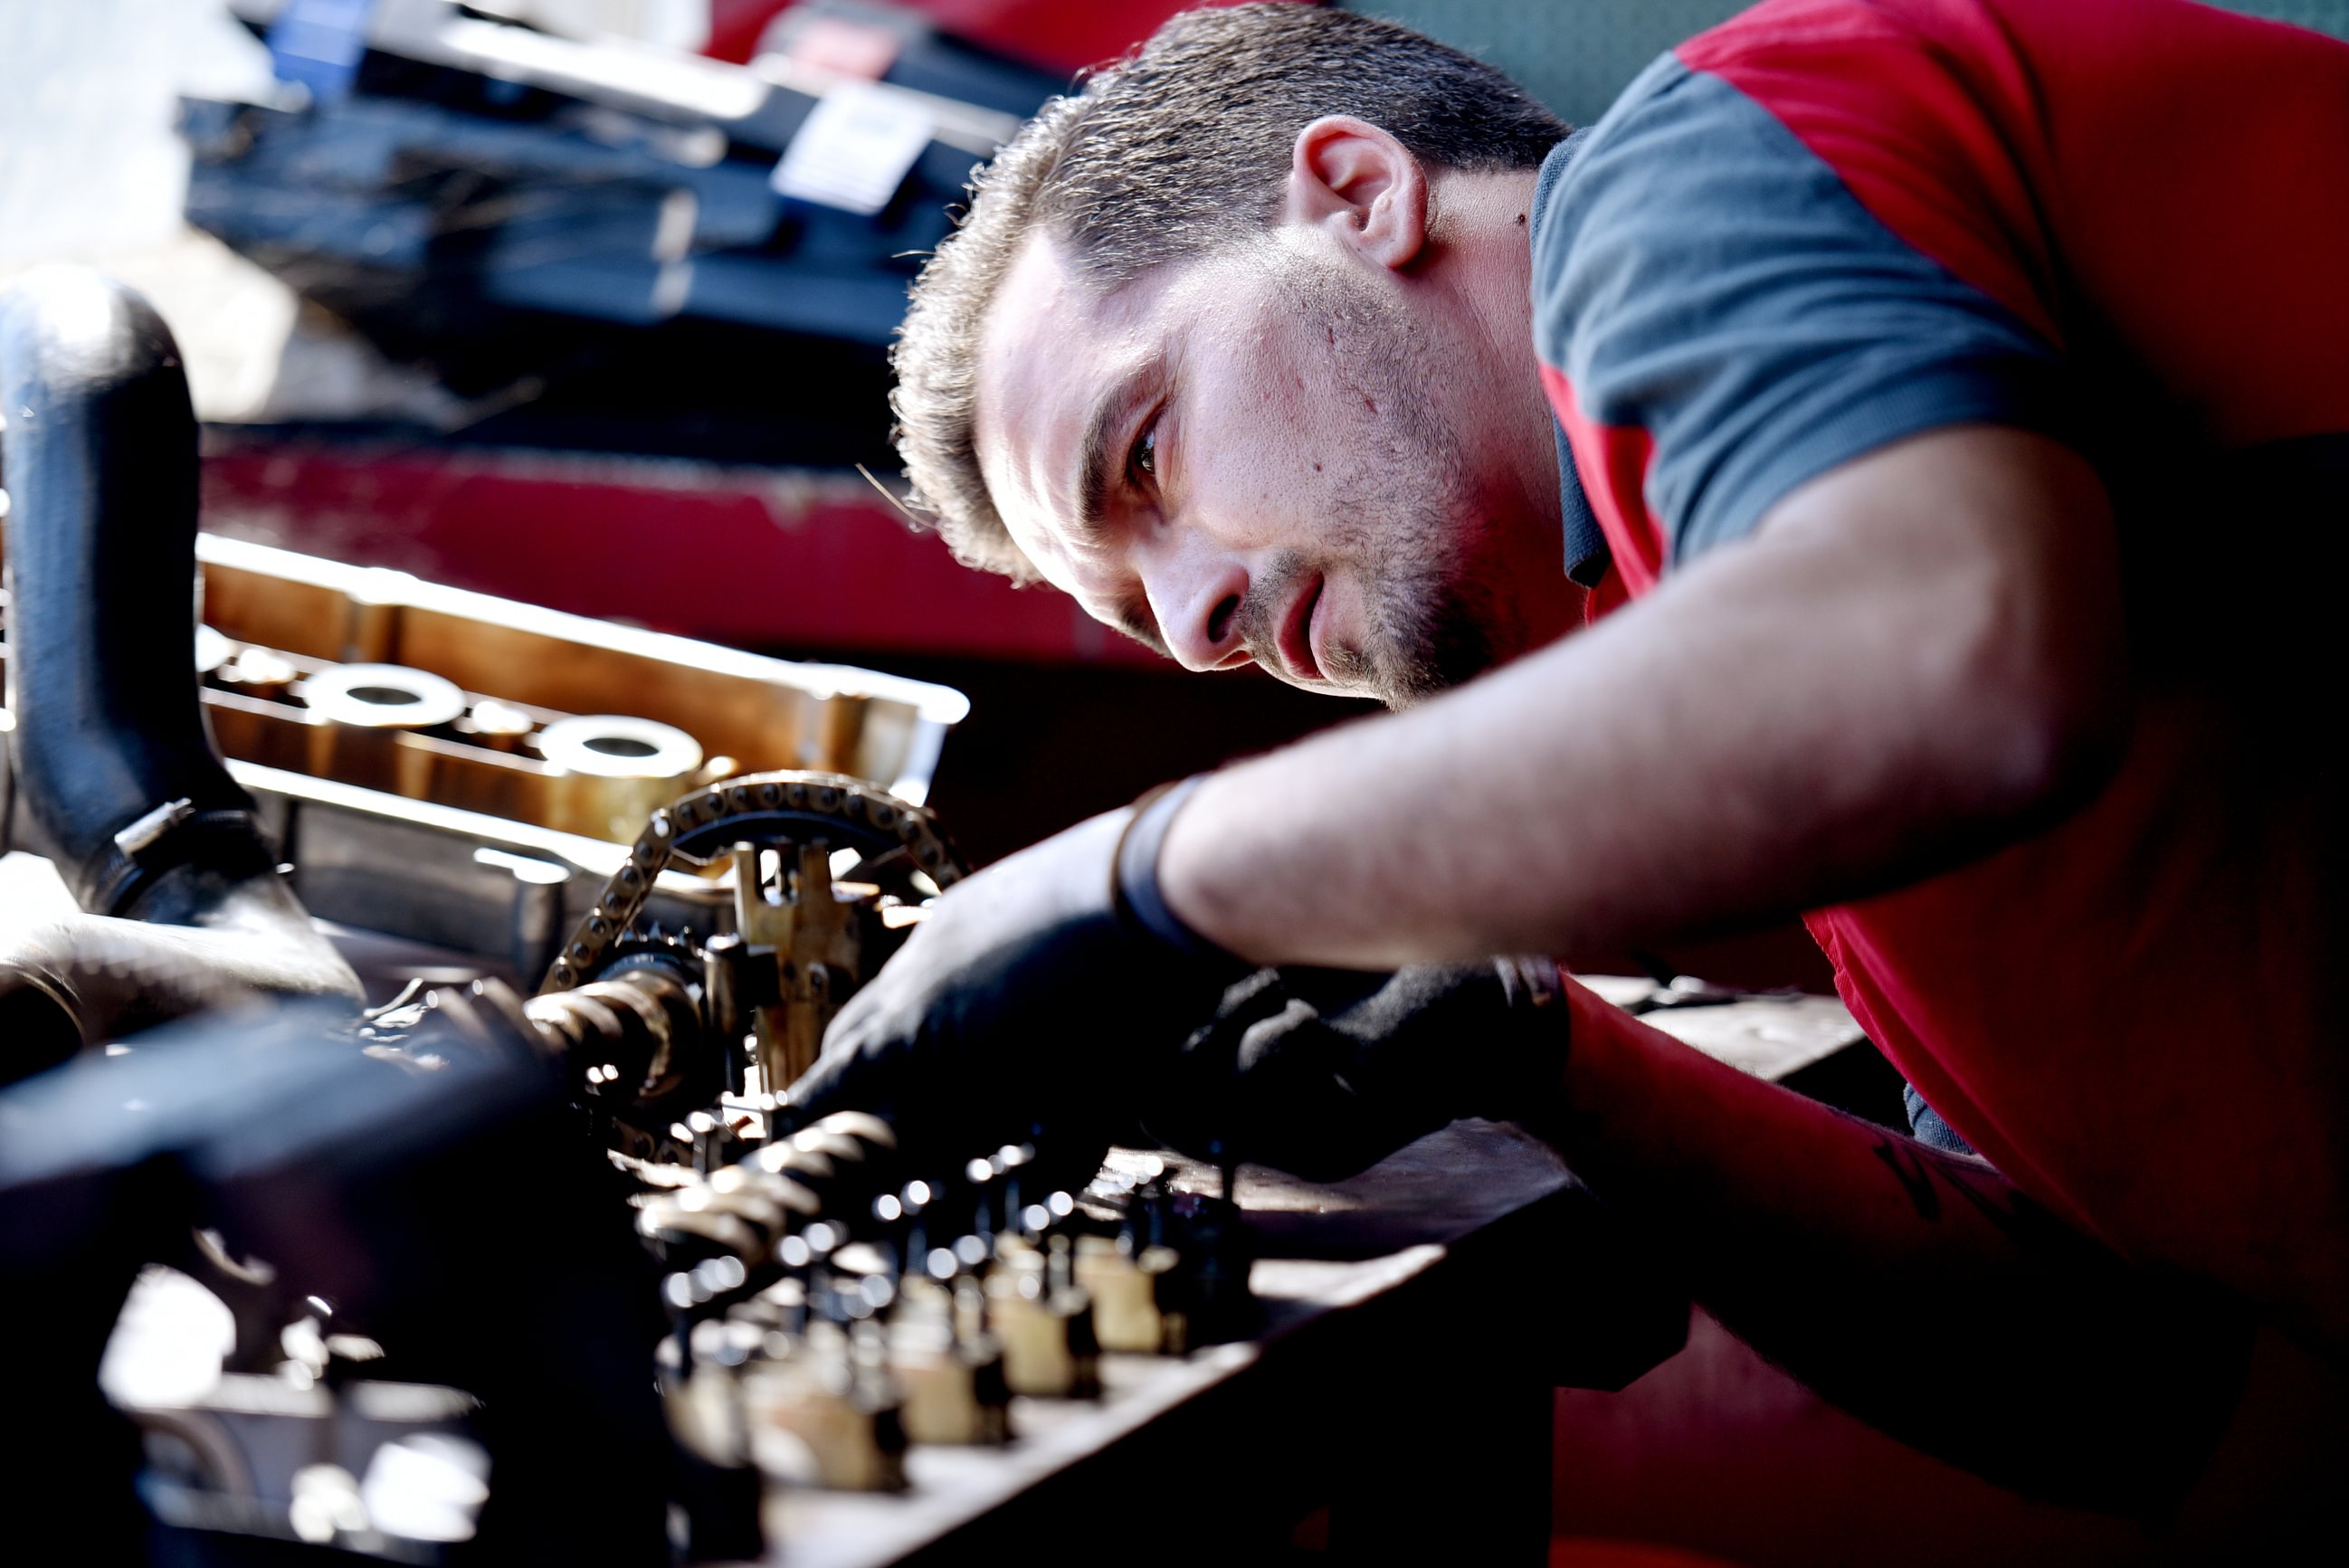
pixel 1829 224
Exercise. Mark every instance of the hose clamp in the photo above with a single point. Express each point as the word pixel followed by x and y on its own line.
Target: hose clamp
pixel 173 834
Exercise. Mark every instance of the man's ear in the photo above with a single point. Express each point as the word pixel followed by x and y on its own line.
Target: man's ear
pixel 1348 176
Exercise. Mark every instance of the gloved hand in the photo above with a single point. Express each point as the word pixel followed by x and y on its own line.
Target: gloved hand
pixel 1323 1073
pixel 1038 994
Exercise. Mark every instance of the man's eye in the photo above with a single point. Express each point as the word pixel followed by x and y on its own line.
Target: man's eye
pixel 1145 450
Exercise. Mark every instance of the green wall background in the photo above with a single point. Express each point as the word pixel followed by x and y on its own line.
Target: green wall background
pixel 1576 55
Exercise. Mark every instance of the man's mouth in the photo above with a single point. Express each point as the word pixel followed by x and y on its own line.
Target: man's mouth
pixel 1296 639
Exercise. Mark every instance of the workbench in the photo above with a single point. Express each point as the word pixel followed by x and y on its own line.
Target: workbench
pixel 1416 1319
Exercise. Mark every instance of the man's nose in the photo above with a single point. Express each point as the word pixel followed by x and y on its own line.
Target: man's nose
pixel 1197 602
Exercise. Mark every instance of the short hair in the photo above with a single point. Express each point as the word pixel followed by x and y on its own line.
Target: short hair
pixel 1177 151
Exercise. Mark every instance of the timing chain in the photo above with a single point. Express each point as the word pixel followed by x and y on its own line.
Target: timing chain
pixel 704 813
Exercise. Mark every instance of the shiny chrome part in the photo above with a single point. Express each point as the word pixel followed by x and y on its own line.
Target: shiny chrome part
pixel 381 696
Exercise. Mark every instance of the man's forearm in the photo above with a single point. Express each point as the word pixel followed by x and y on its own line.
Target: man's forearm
pixel 1911 662
pixel 1920 1290
pixel 1860 695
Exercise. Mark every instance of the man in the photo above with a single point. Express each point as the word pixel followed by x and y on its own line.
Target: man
pixel 1929 376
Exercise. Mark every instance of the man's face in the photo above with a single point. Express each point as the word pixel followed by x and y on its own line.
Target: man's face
pixel 1259 455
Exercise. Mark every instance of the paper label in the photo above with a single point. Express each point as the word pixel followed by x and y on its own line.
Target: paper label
pixel 855 148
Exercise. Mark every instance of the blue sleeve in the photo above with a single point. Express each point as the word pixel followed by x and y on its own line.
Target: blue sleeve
pixel 1699 274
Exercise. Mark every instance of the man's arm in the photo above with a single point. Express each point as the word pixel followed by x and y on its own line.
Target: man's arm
pixel 1917 657
pixel 1919 1290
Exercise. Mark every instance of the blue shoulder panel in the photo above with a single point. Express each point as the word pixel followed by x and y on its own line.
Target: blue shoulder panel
pixel 1700 274
pixel 1586 543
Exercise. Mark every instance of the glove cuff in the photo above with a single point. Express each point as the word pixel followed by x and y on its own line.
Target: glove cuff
pixel 1522 1073
pixel 1527 981
pixel 1134 875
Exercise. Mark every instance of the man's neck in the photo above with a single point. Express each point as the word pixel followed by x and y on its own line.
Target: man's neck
pixel 1481 226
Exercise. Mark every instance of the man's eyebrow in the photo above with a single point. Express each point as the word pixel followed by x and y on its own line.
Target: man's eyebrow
pixel 1097 462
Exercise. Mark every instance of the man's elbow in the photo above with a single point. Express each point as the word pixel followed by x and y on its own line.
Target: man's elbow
pixel 1981 575
pixel 2039 647
pixel 2051 716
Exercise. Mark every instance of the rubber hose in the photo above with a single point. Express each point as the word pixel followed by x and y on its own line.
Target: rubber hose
pixel 97 455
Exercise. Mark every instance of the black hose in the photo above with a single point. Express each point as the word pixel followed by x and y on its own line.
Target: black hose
pixel 112 771
pixel 100 468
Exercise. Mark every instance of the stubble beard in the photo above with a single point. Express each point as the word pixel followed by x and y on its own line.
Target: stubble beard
pixel 1405 516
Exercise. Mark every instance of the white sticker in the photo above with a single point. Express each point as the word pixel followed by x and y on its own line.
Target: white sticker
pixel 855 148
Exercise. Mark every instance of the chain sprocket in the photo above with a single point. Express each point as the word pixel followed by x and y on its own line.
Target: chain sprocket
pixel 699 828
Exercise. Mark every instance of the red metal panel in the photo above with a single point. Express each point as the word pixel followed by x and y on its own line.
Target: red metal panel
pixel 799 560
pixel 1057 34
pixel 734 26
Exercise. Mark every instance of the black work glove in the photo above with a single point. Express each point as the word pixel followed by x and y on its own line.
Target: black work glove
pixel 1035 997
pixel 1323 1073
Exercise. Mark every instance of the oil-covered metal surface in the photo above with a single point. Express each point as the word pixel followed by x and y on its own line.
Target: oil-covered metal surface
pixel 746 713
